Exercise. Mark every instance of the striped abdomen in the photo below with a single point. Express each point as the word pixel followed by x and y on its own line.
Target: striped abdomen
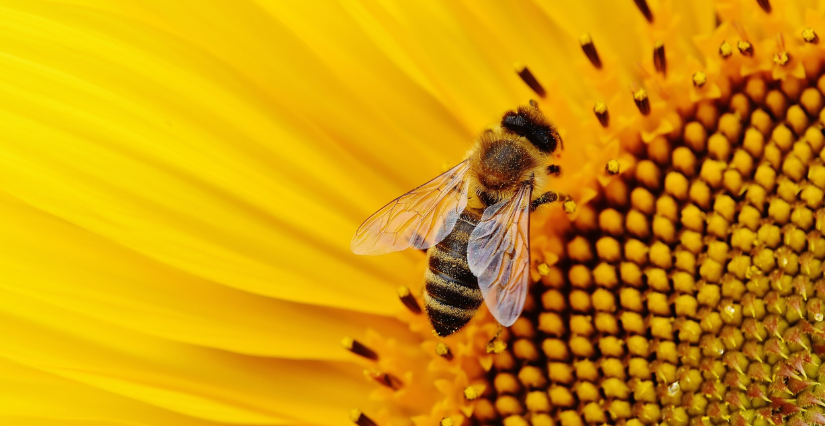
pixel 452 295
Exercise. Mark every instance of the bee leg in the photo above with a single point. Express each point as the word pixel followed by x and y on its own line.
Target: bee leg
pixel 547 197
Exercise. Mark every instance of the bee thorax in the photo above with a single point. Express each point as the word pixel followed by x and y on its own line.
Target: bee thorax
pixel 502 164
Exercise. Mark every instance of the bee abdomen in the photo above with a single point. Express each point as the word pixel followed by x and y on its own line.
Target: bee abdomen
pixel 452 292
pixel 452 295
pixel 446 319
pixel 452 266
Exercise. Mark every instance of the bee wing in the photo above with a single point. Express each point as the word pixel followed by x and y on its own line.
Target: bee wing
pixel 499 255
pixel 420 218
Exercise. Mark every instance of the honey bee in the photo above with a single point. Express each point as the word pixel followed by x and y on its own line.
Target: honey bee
pixel 474 222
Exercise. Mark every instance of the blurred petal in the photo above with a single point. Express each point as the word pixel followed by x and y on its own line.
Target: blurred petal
pixel 181 181
pixel 178 166
pixel 199 382
pixel 93 275
pixel 33 397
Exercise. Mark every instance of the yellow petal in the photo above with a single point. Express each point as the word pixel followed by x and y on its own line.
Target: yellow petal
pixel 93 275
pixel 199 382
pixel 184 166
pixel 34 398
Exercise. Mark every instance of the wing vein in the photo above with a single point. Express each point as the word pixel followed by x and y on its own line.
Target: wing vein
pixel 420 218
pixel 498 254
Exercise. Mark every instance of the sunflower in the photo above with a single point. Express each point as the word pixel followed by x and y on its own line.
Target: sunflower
pixel 180 181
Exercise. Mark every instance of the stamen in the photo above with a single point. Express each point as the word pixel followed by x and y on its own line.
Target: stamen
pixel 360 418
pixel 699 79
pixel 745 47
pixel 810 36
pixel 496 346
pixel 659 60
pixel 781 57
pixel 642 5
pixel 474 392
pixel 725 50
pixel 530 79
pixel 443 351
pixel 385 379
pixel 612 167
pixel 408 300
pixel 358 348
pixel 642 101
pixel 743 44
pixel 601 113
pixel 707 302
pixel 544 269
pixel 765 5
pixel 590 50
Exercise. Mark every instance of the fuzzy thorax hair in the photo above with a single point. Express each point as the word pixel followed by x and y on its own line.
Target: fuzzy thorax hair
pixel 500 162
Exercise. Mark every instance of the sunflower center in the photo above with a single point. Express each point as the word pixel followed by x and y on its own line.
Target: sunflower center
pixel 689 291
pixel 692 291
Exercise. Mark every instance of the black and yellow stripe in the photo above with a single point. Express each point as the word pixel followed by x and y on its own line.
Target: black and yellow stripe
pixel 452 295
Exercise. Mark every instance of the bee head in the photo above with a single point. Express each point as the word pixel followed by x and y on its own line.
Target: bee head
pixel 529 123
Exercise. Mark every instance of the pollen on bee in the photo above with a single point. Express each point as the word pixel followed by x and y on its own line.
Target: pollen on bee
pixel 446 421
pixel 358 348
pixel 359 418
pixel 530 79
pixel 590 50
pixel 569 206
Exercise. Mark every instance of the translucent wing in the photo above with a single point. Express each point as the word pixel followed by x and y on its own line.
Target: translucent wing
pixel 420 218
pixel 499 256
